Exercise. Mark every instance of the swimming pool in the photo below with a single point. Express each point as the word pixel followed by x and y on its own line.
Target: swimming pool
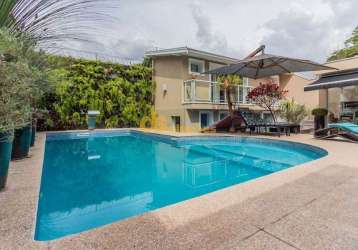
pixel 90 180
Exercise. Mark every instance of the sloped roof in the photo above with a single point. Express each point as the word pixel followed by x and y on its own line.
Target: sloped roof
pixel 186 51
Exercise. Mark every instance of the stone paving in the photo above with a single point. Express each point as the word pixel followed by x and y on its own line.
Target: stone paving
pixel 311 206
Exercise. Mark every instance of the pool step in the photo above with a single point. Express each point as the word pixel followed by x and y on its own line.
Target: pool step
pixel 242 159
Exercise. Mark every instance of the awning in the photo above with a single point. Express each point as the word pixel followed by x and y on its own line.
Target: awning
pixel 336 79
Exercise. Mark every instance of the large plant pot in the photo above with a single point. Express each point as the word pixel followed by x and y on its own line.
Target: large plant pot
pixel 319 123
pixel 33 133
pixel 6 139
pixel 21 143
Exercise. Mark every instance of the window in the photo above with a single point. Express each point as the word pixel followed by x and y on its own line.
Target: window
pixel 222 115
pixel 245 81
pixel 196 66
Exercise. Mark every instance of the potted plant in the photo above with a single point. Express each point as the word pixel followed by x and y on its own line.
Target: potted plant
pixel 6 132
pixel 33 132
pixel 6 137
pixel 22 130
pixel 22 141
pixel 292 112
pixel 7 121
pixel 319 118
pixel 16 83
pixel 37 115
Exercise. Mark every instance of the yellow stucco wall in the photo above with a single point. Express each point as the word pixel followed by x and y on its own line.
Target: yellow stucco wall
pixel 169 74
pixel 295 84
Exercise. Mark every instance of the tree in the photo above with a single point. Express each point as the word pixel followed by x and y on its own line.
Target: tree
pixel 17 82
pixel 350 49
pixel 230 82
pixel 267 95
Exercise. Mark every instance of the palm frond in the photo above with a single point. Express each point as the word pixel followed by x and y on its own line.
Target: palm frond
pixel 50 22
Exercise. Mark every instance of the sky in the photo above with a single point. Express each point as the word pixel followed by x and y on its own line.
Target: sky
pixel 308 29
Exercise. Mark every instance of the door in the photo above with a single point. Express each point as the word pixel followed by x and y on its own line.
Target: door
pixel 204 119
pixel 176 123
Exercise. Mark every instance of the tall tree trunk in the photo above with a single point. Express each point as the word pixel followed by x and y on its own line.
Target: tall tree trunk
pixel 229 103
pixel 272 114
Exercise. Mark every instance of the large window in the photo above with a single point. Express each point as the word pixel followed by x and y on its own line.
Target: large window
pixel 196 66
pixel 223 114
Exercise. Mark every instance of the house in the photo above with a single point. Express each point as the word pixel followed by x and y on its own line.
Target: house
pixel 338 89
pixel 187 100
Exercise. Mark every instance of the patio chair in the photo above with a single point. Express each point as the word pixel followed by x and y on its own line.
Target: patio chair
pixel 256 124
pixel 348 131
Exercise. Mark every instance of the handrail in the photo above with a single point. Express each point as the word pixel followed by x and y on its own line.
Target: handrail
pixel 213 95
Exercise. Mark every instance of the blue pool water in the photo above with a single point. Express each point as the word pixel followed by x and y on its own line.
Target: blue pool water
pixel 90 181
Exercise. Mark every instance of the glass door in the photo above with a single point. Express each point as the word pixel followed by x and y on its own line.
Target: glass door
pixel 204 119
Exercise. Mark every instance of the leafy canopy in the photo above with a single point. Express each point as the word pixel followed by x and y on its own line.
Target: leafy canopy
pixel 267 95
pixel 350 49
pixel 23 76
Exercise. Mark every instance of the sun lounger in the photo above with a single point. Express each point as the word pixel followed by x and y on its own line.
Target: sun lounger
pixel 348 131
pixel 256 124
pixel 224 125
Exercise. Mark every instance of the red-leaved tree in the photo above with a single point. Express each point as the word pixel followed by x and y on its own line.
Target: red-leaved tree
pixel 267 95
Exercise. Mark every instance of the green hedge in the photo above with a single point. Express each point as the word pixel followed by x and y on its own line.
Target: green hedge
pixel 123 94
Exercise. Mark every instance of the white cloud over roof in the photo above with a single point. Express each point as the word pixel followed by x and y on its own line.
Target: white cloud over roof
pixel 309 29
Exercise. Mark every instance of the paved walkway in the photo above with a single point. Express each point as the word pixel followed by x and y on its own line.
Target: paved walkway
pixel 312 206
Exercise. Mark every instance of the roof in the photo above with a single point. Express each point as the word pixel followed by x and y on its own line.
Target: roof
pixel 309 76
pixel 186 51
pixel 342 59
pixel 336 79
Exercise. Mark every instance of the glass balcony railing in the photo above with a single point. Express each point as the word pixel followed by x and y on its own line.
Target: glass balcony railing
pixel 199 91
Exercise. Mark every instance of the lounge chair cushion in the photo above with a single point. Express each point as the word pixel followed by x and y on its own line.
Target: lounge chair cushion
pixel 346 126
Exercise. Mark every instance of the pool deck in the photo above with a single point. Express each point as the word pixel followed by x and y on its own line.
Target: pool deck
pixel 311 206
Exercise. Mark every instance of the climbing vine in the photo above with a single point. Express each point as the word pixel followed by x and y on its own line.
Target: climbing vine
pixel 122 94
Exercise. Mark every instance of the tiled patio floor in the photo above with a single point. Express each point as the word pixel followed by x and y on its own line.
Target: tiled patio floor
pixel 312 206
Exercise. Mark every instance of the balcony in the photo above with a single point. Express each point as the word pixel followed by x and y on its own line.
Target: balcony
pixel 200 91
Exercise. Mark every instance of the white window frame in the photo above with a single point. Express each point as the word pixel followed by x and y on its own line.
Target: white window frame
pixel 210 116
pixel 192 60
pixel 245 81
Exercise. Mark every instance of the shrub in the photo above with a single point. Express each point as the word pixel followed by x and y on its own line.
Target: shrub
pixel 292 112
pixel 122 94
pixel 319 112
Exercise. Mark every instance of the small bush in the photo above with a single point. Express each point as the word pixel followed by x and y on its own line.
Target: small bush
pixel 319 112
pixel 292 112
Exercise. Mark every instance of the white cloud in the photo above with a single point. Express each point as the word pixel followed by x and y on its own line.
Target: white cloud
pixel 303 28
pixel 310 33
